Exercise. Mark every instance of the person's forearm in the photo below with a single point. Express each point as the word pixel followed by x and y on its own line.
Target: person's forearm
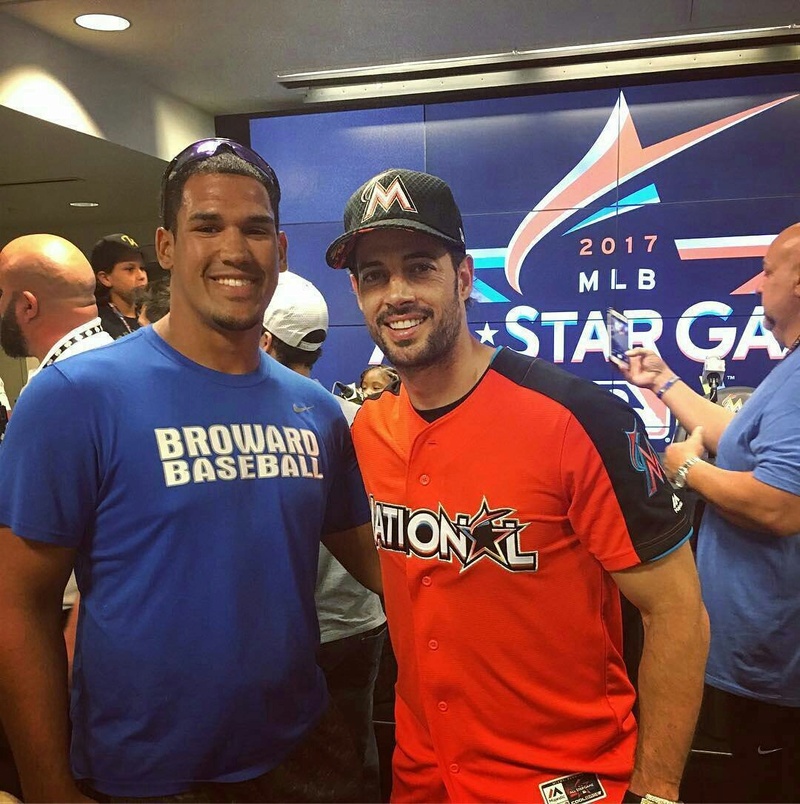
pixel 691 409
pixel 744 501
pixel 670 692
pixel 355 550
pixel 33 703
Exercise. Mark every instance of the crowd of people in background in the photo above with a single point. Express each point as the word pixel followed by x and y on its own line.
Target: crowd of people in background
pixel 200 517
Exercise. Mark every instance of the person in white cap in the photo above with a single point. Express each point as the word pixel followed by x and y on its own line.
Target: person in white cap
pixel 351 619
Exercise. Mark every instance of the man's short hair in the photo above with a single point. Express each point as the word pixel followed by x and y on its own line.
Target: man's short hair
pixel 214 156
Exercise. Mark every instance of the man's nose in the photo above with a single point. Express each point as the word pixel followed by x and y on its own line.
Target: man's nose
pixel 399 290
pixel 233 246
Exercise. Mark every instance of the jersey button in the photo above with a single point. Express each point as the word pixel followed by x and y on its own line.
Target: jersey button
pixel 454 767
pixel 424 479
pixel 443 706
pixel 433 645
pixel 426 580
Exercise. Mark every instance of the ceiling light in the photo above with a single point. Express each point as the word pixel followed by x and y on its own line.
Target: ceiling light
pixel 84 204
pixel 102 22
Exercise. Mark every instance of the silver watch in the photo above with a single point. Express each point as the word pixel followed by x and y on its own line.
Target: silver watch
pixel 649 798
pixel 679 482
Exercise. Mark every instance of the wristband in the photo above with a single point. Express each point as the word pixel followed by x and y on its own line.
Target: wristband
pixel 667 385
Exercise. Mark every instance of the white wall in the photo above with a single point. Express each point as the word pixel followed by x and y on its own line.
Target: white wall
pixel 51 79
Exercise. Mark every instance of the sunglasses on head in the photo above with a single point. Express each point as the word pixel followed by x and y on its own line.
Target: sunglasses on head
pixel 204 149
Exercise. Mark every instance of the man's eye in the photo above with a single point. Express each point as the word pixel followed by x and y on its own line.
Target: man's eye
pixel 370 277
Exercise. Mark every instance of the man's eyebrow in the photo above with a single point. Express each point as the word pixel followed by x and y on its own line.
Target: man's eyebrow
pixel 414 255
pixel 216 216
pixel 372 264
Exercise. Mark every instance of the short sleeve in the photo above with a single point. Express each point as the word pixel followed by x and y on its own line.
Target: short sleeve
pixel 776 446
pixel 622 506
pixel 347 502
pixel 48 463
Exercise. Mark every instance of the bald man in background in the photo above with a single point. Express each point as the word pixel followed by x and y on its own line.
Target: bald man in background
pixel 47 305
pixel 48 311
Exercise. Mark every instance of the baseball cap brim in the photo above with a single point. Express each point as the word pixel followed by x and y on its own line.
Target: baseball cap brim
pixel 341 250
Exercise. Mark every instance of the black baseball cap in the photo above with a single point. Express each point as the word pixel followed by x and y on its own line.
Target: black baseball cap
pixel 114 248
pixel 398 199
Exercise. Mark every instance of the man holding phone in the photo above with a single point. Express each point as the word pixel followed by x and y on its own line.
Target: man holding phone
pixel 511 501
pixel 619 339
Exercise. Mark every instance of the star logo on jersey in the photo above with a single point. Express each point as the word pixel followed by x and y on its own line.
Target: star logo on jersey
pixel 376 195
pixel 644 460
pixel 491 533
pixel 488 531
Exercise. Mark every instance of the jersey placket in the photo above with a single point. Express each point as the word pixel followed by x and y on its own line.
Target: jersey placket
pixel 426 578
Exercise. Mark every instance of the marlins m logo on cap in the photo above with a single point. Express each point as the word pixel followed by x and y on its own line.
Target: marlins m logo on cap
pixel 398 198
pixel 376 195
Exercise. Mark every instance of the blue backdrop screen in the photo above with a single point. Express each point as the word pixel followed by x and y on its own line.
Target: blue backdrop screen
pixel 657 200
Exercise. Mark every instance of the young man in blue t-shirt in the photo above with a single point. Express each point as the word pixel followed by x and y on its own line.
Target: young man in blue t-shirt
pixel 191 492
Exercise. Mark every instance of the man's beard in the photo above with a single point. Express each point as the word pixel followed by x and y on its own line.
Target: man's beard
pixel 12 341
pixel 437 347
pixel 232 324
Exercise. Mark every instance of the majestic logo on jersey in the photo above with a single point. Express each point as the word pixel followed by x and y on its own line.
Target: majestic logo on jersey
pixel 491 533
pixel 645 460
pixel 376 195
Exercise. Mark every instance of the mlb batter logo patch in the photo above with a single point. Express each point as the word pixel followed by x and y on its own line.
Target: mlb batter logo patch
pixel 577 788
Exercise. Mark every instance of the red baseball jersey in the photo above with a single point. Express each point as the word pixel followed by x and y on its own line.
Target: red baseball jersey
pixel 498 524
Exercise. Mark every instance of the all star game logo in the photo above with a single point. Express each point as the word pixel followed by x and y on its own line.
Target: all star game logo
pixel 490 534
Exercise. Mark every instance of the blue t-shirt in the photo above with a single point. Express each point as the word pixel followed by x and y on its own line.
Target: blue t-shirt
pixel 751 580
pixel 196 500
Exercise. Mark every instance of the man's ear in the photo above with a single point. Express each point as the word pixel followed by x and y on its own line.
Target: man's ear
pixel 104 279
pixel 27 306
pixel 354 285
pixel 165 247
pixel 283 252
pixel 466 277
pixel 266 342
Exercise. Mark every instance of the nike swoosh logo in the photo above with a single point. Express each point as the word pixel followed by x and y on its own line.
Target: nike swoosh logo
pixel 301 408
pixel 768 751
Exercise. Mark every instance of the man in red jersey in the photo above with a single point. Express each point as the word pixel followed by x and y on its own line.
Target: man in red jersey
pixel 512 502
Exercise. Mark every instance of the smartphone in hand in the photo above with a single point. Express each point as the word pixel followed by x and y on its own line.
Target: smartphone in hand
pixel 619 336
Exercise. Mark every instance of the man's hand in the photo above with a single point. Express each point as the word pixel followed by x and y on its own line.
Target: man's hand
pixel 677 454
pixel 645 369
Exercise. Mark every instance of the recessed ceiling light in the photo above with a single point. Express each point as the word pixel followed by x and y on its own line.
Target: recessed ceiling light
pixel 102 22
pixel 84 204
